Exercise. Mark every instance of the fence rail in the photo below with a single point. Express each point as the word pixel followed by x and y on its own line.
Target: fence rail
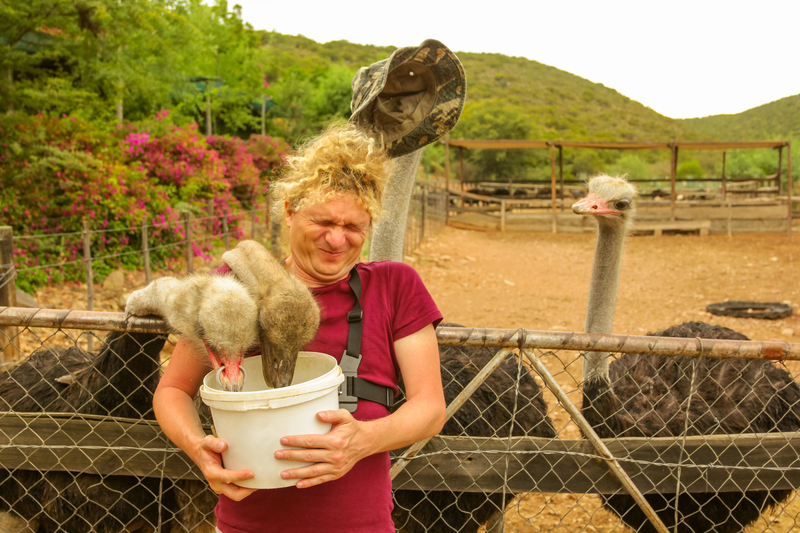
pixel 491 450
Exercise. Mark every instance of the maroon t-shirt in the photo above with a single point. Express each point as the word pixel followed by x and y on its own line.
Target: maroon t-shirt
pixel 396 304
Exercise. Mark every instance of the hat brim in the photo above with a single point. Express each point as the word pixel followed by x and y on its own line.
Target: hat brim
pixel 411 99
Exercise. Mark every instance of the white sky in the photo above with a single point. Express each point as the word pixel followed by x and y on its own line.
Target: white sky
pixel 682 58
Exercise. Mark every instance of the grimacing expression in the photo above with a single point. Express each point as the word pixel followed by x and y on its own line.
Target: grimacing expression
pixel 326 238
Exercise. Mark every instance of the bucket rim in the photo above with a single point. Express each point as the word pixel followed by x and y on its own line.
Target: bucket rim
pixel 330 379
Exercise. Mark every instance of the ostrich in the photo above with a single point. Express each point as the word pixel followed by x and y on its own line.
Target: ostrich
pixel 641 395
pixel 118 381
pixel 288 315
pixel 205 309
pixel 228 316
pixel 488 413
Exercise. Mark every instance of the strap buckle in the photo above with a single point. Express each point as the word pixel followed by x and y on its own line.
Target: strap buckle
pixel 349 365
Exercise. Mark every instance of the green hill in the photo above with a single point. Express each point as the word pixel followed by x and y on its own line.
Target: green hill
pixel 561 105
pixel 776 120
pixel 554 103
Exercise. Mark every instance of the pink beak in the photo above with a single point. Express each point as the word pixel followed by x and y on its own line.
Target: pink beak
pixel 593 206
pixel 232 369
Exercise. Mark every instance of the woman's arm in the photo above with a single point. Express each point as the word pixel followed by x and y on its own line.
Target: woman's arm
pixel 350 440
pixel 173 404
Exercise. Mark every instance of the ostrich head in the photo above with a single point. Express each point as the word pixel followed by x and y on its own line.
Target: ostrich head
pixel 612 201
pixel 289 319
pixel 288 315
pixel 226 323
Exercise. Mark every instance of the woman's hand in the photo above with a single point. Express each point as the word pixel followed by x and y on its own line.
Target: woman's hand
pixel 208 457
pixel 333 453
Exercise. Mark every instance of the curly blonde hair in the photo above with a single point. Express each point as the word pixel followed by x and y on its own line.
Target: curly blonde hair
pixel 343 159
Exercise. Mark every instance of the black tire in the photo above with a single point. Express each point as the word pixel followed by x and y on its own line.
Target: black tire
pixel 768 310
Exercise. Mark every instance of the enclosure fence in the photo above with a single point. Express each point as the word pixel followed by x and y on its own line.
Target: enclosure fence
pixel 196 236
pixel 684 434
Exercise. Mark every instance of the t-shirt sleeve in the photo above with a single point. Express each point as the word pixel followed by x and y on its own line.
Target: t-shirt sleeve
pixel 414 305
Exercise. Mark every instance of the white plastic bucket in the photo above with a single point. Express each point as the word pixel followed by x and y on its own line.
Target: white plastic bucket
pixel 253 421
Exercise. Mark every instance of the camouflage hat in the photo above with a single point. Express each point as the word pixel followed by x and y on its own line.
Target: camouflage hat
pixel 410 99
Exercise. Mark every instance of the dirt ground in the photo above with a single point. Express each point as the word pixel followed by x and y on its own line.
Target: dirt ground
pixel 540 281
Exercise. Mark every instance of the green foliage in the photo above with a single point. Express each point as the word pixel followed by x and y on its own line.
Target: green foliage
pixel 56 172
pixel 492 119
pixel 690 170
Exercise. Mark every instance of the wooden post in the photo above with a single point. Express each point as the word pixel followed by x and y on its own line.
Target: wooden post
pixel 724 181
pixel 461 172
pixel 780 168
pixel 461 165
pixel 225 235
pixel 447 162
pixel 211 214
pixel 789 186
pixel 187 224
pixel 253 223
pixel 553 185
pixel 673 175
pixel 146 252
pixel 502 215
pixel 8 292
pixel 730 218
pixel 561 174
pixel 87 260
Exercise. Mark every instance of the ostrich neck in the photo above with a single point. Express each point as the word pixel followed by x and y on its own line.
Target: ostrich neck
pixel 603 293
pixel 389 234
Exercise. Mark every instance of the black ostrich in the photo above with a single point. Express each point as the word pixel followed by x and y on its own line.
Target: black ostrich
pixel 641 395
pixel 118 381
pixel 489 412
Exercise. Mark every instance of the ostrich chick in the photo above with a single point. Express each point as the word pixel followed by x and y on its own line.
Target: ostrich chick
pixel 215 314
pixel 288 315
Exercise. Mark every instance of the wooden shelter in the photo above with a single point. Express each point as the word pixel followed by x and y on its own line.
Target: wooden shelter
pixel 674 146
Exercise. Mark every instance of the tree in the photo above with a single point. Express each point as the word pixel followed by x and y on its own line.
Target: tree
pixel 690 170
pixel 492 119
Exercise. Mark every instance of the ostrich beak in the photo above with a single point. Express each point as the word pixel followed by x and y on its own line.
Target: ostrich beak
pixel 231 378
pixel 277 363
pixel 591 205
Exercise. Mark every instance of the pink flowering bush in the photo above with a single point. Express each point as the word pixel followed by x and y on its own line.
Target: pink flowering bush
pixel 56 172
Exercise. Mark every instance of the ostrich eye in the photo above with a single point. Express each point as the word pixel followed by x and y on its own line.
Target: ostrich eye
pixel 622 204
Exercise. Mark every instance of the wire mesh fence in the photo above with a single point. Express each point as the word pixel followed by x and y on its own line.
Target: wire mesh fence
pixel 427 214
pixel 697 425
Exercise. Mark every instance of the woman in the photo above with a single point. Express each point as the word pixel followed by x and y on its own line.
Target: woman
pixel 331 195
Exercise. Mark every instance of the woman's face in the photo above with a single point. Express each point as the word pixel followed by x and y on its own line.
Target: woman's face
pixel 326 238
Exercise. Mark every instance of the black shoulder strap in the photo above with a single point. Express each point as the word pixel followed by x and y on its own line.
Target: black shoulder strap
pixel 355 318
pixel 353 386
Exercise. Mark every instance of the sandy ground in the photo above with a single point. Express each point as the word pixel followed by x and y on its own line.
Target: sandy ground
pixel 540 281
